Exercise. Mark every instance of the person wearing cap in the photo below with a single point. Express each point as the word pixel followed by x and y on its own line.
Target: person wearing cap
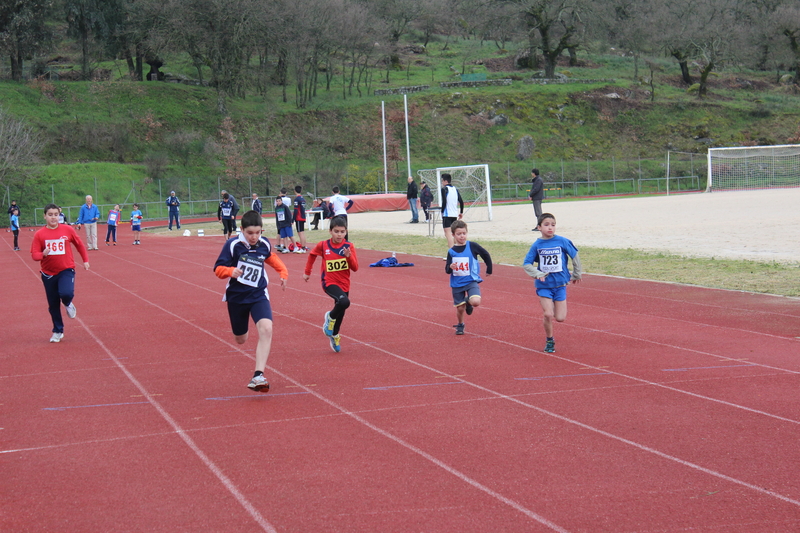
pixel 174 210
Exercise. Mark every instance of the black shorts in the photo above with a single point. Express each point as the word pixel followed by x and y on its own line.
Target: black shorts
pixel 228 226
pixel 240 314
pixel 448 221
pixel 300 225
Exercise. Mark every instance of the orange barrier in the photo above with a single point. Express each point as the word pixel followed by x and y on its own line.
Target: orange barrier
pixel 377 202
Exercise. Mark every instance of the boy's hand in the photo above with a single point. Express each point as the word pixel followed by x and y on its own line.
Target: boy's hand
pixel 236 273
pixel 86 266
pixel 345 252
pixel 576 280
pixel 283 284
pixel 306 277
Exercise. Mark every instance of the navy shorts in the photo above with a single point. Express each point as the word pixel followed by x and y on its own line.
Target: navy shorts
pixel 462 294
pixel 285 232
pixel 240 314
pixel 557 294
pixel 448 221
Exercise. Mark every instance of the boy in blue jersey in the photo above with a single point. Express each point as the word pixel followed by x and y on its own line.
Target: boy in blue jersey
pixel 462 265
pixel 550 252
pixel 241 262
pixel 15 227
pixel 136 223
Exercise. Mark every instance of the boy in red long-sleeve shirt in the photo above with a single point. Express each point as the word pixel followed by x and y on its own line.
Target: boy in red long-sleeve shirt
pixel 338 259
pixel 51 247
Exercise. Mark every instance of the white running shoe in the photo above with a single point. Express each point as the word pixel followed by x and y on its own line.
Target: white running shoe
pixel 56 337
pixel 71 311
pixel 259 384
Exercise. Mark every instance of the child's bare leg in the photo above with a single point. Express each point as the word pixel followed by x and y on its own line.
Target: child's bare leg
pixel 448 233
pixel 460 313
pixel 264 343
pixel 548 307
pixel 560 310
pixel 474 300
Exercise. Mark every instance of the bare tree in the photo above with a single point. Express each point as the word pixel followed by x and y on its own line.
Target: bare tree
pixel 19 146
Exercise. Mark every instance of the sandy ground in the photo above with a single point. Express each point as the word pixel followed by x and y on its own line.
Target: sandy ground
pixel 761 225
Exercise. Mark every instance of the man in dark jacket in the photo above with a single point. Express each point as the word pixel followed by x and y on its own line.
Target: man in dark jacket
pixel 411 196
pixel 537 194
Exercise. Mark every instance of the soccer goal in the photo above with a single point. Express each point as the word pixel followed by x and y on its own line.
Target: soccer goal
pixel 472 181
pixel 753 167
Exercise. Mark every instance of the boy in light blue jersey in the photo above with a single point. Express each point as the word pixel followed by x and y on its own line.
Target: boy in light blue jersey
pixel 15 227
pixel 550 253
pixel 136 223
pixel 465 272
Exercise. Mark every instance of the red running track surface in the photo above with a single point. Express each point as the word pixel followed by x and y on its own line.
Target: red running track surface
pixel 666 408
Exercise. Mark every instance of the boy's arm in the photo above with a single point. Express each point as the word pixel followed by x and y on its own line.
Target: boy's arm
pixel 312 256
pixel 484 254
pixel 349 205
pixel 352 261
pixel 527 264
pixel 447 262
pixel 577 271
pixel 460 202
pixel 37 247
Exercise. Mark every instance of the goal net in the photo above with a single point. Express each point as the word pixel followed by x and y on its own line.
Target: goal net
pixel 753 167
pixel 472 181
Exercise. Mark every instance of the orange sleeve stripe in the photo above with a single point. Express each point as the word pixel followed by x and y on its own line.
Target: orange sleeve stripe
pixel 275 262
pixel 223 272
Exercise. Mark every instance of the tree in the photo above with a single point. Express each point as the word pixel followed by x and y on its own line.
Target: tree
pixel 19 146
pixel 553 26
pixel 24 31
pixel 84 18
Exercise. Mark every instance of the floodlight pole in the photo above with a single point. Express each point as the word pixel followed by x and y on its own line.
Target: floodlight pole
pixel 385 169
pixel 408 146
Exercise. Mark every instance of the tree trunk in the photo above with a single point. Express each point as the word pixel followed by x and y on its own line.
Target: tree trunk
pixel 16 66
pixel 683 61
pixel 704 79
pixel 573 56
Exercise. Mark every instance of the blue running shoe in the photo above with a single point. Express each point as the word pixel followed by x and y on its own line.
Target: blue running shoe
pixel 550 346
pixel 327 327
pixel 335 346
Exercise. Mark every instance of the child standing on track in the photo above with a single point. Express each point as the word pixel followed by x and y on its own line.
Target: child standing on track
pixel 550 253
pixel 136 223
pixel 338 259
pixel 111 222
pixel 241 262
pixel 283 221
pixel 464 269
pixel 15 227
pixel 51 247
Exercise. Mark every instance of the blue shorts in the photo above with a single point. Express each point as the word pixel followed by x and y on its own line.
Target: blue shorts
pixel 136 227
pixel 241 313
pixel 557 294
pixel 462 294
pixel 285 232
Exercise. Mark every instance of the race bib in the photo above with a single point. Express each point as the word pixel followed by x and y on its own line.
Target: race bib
pixel 56 246
pixel 226 211
pixel 336 265
pixel 550 260
pixel 112 217
pixel 281 216
pixel 252 270
pixel 461 266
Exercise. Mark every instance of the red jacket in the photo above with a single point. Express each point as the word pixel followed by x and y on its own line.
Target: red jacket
pixel 60 256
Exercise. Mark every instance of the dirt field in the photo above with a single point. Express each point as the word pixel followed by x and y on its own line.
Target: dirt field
pixel 761 225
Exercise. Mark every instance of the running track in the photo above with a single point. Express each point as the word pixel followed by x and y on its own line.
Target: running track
pixel 666 408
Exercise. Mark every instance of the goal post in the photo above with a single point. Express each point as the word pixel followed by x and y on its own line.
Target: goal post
pixel 753 167
pixel 472 181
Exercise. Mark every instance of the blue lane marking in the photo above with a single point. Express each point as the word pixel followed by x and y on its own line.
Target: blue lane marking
pixel 701 368
pixel 564 376
pixel 84 406
pixel 415 385
pixel 225 398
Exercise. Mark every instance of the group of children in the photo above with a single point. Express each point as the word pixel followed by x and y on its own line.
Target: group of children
pixel 114 217
pixel 242 259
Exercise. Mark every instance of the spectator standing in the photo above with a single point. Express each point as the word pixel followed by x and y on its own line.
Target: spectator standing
pixel 426 199
pixel 174 210
pixel 411 196
pixel 88 217
pixel 256 205
pixel 15 228
pixel 12 207
pixel 452 207
pixel 537 194
pixel 299 216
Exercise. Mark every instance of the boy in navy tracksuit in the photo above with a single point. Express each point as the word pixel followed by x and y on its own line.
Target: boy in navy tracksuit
pixel 465 272
pixel 241 262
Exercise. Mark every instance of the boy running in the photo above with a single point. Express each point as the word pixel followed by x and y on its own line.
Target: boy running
pixel 241 262
pixel 462 265
pixel 550 253
pixel 338 259
pixel 51 247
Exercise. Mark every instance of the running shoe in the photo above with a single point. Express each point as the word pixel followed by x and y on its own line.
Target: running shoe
pixel 469 308
pixel 459 329
pixel 327 326
pixel 550 347
pixel 56 337
pixel 299 251
pixel 71 311
pixel 259 384
pixel 335 343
